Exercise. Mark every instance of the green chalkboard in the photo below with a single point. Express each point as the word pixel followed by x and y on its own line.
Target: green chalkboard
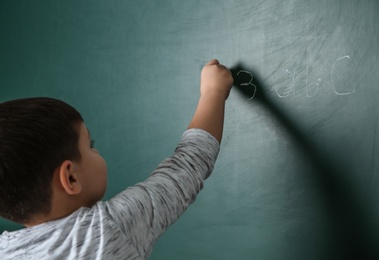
pixel 298 173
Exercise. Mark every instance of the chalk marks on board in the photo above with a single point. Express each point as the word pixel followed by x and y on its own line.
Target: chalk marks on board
pixel 311 87
pixel 291 89
pixel 340 74
pixel 339 79
pixel 248 84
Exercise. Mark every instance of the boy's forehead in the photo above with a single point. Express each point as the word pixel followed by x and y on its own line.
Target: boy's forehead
pixel 89 134
pixel 84 130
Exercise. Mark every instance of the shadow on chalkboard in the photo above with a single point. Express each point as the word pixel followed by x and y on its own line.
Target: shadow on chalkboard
pixel 346 214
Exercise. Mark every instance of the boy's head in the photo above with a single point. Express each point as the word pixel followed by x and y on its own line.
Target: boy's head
pixel 43 152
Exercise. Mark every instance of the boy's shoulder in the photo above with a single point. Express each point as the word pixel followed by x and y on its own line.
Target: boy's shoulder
pixel 44 239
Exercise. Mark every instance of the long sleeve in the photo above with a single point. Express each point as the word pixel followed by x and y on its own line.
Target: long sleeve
pixel 144 211
pixel 127 226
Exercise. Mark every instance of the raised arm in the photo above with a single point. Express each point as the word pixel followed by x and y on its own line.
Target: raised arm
pixel 216 82
pixel 143 212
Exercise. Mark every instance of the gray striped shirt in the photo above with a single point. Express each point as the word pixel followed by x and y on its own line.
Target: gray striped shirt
pixel 127 226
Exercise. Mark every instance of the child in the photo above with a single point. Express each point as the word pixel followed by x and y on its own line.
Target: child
pixel 52 180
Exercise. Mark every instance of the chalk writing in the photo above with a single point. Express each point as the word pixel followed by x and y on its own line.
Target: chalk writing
pixel 291 90
pixel 248 83
pixel 333 74
pixel 311 87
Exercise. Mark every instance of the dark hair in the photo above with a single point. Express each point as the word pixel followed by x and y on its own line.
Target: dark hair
pixel 36 136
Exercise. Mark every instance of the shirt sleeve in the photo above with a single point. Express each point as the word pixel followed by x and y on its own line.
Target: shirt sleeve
pixel 144 211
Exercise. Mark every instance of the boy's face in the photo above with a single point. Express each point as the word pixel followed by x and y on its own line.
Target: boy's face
pixel 92 169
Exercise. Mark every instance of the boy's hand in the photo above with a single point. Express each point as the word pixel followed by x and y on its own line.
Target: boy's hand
pixel 215 85
pixel 215 79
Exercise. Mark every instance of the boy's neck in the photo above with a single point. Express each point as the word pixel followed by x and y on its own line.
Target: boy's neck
pixel 63 210
pixel 62 205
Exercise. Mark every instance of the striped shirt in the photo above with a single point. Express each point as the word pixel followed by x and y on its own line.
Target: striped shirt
pixel 128 225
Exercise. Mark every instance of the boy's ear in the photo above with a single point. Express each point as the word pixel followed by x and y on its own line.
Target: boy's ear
pixel 69 178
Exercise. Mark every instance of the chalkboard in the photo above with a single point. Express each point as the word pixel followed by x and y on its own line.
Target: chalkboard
pixel 298 173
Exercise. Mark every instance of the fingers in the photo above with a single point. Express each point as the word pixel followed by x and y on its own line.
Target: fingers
pixel 222 66
pixel 216 62
pixel 213 62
